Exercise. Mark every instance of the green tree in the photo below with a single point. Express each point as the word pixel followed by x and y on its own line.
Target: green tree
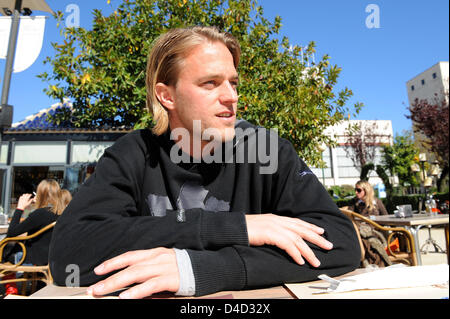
pixel 399 157
pixel 102 70
pixel 431 122
pixel 360 145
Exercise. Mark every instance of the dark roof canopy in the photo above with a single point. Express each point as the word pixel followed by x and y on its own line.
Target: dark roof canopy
pixel 37 126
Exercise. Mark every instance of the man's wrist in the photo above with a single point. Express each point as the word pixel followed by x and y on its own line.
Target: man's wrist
pixel 187 279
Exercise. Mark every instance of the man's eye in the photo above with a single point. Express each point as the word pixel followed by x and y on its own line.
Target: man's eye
pixel 211 83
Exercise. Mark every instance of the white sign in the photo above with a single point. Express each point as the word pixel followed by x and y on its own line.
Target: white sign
pixel 29 40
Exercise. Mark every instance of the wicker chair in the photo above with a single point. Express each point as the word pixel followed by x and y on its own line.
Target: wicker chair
pixel 30 273
pixel 407 257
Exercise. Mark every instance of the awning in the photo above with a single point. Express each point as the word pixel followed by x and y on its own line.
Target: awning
pixel 33 5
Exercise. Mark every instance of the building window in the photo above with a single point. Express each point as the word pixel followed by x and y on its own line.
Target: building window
pixel 77 175
pixel 88 152
pixel 434 75
pixel 327 172
pixel 25 179
pixel 39 152
pixel 412 87
pixel 345 166
pixel 423 82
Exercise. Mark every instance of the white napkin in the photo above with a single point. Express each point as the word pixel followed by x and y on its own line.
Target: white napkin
pixel 396 276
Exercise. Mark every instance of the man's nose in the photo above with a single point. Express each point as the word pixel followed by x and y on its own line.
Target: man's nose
pixel 228 94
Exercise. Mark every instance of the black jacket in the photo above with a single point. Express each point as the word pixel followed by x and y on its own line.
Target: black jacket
pixel 133 199
pixel 38 247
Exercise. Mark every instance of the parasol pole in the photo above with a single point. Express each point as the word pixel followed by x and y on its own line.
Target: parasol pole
pixel 11 52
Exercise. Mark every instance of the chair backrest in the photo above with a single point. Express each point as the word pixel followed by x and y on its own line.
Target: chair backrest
pixel 349 214
pixel 21 239
pixel 411 258
pixel 30 273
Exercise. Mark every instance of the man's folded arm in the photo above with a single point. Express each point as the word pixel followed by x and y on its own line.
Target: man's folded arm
pixel 296 193
pixel 241 267
pixel 102 221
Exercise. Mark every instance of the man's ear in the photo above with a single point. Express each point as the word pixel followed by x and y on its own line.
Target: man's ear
pixel 165 95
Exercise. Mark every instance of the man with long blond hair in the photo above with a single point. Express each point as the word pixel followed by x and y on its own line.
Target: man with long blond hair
pixel 179 208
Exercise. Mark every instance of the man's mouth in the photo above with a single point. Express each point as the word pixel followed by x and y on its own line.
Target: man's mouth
pixel 225 115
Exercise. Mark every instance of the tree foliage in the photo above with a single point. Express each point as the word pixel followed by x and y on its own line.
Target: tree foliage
pixel 361 141
pixel 102 70
pixel 430 119
pixel 399 157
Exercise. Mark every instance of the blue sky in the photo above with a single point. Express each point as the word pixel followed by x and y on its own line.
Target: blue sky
pixel 376 63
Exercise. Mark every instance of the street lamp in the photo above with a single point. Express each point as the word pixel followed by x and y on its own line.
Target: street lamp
pixel 435 171
pixel 423 179
pixel 14 8
pixel 426 181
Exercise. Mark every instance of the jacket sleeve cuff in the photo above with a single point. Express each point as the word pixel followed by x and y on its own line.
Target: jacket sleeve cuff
pixel 217 270
pixel 220 229
pixel 187 280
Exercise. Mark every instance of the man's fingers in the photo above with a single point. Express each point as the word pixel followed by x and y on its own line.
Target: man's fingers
pixel 288 234
pixel 305 230
pixel 299 222
pixel 147 288
pixel 293 242
pixel 291 248
pixel 311 236
pixel 296 247
pixel 306 252
pixel 124 260
pixel 140 266
pixel 314 228
pixel 126 277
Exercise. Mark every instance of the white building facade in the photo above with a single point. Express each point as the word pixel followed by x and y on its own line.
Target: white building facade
pixel 434 80
pixel 341 170
pixel 431 85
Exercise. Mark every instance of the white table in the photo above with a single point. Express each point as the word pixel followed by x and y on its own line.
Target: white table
pixel 413 224
pixel 3 231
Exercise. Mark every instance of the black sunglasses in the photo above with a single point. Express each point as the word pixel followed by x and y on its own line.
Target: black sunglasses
pixel 358 190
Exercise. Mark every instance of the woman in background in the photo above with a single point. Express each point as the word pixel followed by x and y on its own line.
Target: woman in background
pixel 365 203
pixel 49 205
pixel 66 197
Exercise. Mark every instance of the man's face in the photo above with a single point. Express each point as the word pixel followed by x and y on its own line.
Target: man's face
pixel 206 91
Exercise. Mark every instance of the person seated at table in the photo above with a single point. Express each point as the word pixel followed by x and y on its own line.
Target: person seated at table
pixel 157 215
pixel 365 202
pixel 66 197
pixel 49 206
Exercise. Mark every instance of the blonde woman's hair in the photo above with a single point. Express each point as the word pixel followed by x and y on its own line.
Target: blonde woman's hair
pixel 66 197
pixel 369 197
pixel 48 194
pixel 166 58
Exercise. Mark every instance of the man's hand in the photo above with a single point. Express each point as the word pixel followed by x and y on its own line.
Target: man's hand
pixel 288 234
pixel 154 270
